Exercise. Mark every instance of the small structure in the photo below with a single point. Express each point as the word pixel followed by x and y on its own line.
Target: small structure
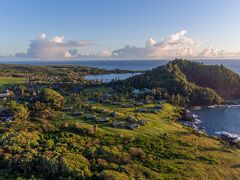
pixel 127 105
pixel 138 92
pixel 91 116
pixel 113 114
pixel 5 94
pixel 142 110
pixel 77 113
pixel 67 109
pixel 102 120
pixel 118 124
pixel 133 126
pixel 107 101
pixel 159 107
pixel 104 110
pixel 155 111
pixel 116 103
pixel 130 119
pixel 6 118
pixel 142 122
pixel 139 104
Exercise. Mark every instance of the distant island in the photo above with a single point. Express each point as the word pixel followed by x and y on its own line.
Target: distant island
pixel 55 124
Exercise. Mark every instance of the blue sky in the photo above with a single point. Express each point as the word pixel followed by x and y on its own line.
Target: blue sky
pixel 111 25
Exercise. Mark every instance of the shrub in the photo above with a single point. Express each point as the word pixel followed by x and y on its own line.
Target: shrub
pixel 112 175
pixel 75 165
pixel 52 98
pixel 137 152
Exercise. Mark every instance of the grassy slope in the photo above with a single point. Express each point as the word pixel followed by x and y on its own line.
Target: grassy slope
pixel 7 81
pixel 226 160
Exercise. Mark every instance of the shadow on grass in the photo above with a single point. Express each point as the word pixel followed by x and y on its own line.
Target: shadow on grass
pixel 236 166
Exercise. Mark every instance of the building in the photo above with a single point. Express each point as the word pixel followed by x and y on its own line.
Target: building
pixel 91 116
pixel 142 122
pixel 77 113
pixel 133 126
pixel 118 124
pixel 102 120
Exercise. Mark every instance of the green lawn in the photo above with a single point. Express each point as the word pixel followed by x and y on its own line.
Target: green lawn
pixel 8 81
pixel 200 146
pixel 157 123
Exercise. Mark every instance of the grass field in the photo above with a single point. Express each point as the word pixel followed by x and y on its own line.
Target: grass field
pixel 8 81
pixel 211 158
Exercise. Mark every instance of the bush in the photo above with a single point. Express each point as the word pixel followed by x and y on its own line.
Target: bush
pixel 137 152
pixel 16 110
pixel 112 175
pixel 52 98
pixel 75 165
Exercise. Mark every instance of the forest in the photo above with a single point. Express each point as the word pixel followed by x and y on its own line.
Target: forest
pixel 189 83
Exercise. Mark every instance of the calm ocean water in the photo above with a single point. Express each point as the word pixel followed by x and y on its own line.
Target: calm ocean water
pixel 124 64
pixel 213 120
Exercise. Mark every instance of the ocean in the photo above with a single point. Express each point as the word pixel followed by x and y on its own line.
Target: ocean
pixel 233 64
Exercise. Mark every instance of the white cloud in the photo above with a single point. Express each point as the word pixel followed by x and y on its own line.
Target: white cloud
pixel 57 39
pixel 55 48
pixel 217 53
pixel 176 45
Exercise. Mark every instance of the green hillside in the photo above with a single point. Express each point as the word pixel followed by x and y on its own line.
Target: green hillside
pixel 190 83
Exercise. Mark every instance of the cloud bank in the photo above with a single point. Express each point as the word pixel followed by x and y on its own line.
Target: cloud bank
pixel 177 45
pixel 55 48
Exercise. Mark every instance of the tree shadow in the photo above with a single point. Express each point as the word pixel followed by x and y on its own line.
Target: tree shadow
pixel 235 166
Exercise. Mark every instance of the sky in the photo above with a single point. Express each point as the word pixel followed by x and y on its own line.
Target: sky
pixel 122 29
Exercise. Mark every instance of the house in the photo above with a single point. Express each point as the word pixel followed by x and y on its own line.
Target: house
pixel 118 124
pixel 155 111
pixel 130 119
pixel 91 116
pixel 116 103
pixel 139 104
pixel 142 122
pixel 127 105
pixel 67 109
pixel 133 126
pixel 142 110
pixel 158 106
pixel 138 92
pixel 77 113
pixel 102 120
pixel 147 101
pixel 6 118
pixel 106 101
pixel 5 94
pixel 113 114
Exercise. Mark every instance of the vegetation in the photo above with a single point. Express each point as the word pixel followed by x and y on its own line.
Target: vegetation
pixel 51 98
pixel 9 81
pixel 53 73
pixel 190 83
pixel 56 133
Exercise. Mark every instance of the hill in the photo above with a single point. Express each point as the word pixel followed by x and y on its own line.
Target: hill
pixel 190 83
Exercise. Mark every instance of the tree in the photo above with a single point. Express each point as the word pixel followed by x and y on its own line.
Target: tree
pixel 52 98
pixel 41 110
pixel 16 110
pixel 22 89
pixel 75 165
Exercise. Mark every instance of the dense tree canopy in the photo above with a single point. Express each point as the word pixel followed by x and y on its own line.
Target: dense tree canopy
pixel 52 98
pixel 190 83
pixel 16 110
